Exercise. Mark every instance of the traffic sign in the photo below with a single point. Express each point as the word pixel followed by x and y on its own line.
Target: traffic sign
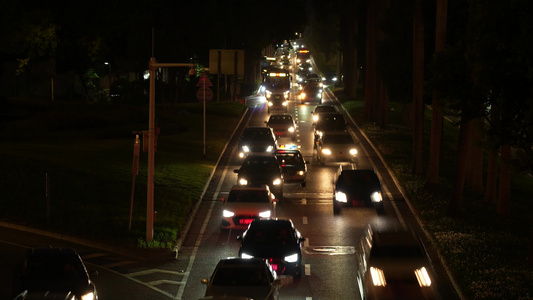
pixel 204 81
pixel 204 91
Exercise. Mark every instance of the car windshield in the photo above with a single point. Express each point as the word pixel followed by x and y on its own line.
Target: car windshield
pixel 257 135
pixel 333 122
pixel 320 109
pixel 352 178
pixel 55 268
pixel 289 159
pixel 270 234
pixel 280 119
pixel 248 196
pixel 338 139
pixel 270 165
pixel 240 276
pixel 396 251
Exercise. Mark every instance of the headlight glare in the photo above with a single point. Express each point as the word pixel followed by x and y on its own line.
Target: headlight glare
pixel 227 213
pixel 376 197
pixel 353 151
pixel 423 277
pixel 88 296
pixel 326 151
pixel 243 181
pixel 341 197
pixel 265 214
pixel 378 277
pixel 276 181
pixel 244 255
pixel 292 258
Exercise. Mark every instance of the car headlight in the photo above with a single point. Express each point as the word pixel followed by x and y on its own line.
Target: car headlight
pixel 245 149
pixel 378 277
pixel 326 151
pixel 270 103
pixel 286 95
pixel 88 296
pixel 376 197
pixel 262 89
pixel 319 95
pixel 227 213
pixel 244 255
pixel 265 214
pixel 291 129
pixel 353 151
pixel 268 94
pixel 269 149
pixel 341 197
pixel 423 277
pixel 319 133
pixel 285 103
pixel 315 118
pixel 301 173
pixel 243 181
pixel 321 85
pixel 291 258
pixel 302 96
pixel 241 154
pixel 276 181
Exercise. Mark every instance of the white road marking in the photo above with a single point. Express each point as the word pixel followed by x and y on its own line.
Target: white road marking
pixel 307 270
pixel 304 220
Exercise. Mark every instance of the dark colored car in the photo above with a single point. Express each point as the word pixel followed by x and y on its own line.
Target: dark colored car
pixel 394 264
pixel 322 109
pixel 276 240
pixel 311 92
pixel 282 125
pixel 257 139
pixel 59 271
pixel 355 187
pixel 336 146
pixel 328 122
pixel 261 169
pixel 293 165
pixel 237 277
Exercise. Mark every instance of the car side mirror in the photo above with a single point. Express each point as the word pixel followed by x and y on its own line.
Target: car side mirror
pixel 266 122
pixel 236 171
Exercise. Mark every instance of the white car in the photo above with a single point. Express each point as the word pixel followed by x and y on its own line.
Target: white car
pixel 245 204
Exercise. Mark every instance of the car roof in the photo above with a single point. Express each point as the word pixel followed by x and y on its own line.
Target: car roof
pixel 271 222
pixel 319 107
pixel 254 187
pixel 237 261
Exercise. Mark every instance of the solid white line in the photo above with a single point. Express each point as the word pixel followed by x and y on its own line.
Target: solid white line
pixel 181 289
pixel 307 270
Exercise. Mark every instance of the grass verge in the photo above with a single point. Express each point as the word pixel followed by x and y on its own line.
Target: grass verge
pixel 487 254
pixel 67 167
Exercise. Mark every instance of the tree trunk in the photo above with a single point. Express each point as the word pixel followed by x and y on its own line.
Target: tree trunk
pixel 371 56
pixel 456 199
pixel 474 177
pixel 491 190
pixel 350 50
pixel 432 180
pixel 504 196
pixel 418 86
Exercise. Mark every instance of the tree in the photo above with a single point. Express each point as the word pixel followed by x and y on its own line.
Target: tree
pixel 432 180
pixel 418 86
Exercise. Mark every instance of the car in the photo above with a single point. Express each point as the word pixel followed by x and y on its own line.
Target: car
pixel 356 188
pixel 282 125
pixel 58 271
pixel 336 147
pixel 261 169
pixel 293 165
pixel 322 109
pixel 242 277
pixel 328 122
pixel 257 139
pixel 331 78
pixel 276 240
pixel 245 204
pixel 394 264
pixel 311 92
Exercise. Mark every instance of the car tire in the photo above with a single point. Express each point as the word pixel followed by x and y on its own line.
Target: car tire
pixel 336 209
pixel 297 275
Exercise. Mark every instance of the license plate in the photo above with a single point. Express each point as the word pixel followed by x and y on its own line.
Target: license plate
pixel 245 221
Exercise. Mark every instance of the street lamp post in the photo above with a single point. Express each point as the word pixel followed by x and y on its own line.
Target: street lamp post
pixel 152 66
